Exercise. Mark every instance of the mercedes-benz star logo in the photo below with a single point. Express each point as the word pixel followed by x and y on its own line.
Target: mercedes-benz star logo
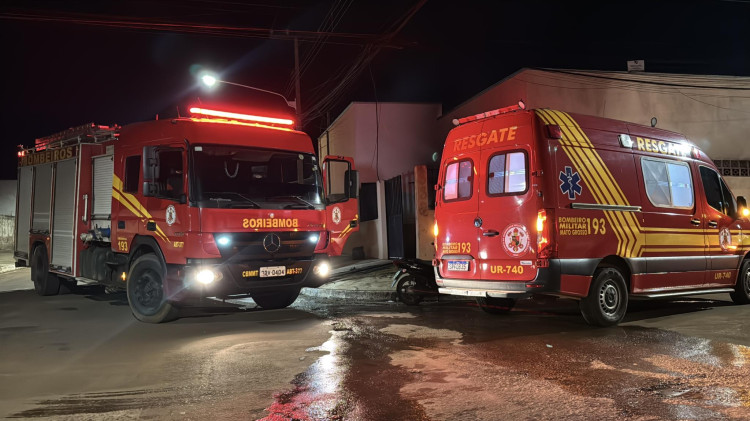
pixel 272 243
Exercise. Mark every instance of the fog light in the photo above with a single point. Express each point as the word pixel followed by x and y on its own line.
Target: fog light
pixel 205 276
pixel 322 269
pixel 224 240
pixel 314 238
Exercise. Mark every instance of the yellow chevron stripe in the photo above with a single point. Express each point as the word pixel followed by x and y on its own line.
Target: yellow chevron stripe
pixel 133 205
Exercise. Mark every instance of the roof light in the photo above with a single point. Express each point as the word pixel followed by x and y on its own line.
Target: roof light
pixel 236 116
pixel 519 106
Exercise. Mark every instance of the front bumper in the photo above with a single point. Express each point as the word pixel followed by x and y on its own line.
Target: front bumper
pixel 547 280
pixel 243 278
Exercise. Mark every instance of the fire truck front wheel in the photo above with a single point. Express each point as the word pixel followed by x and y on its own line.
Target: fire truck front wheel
pixel 741 294
pixel 45 283
pixel 607 300
pixel 278 299
pixel 146 294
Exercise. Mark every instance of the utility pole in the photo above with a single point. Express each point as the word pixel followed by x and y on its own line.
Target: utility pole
pixel 297 99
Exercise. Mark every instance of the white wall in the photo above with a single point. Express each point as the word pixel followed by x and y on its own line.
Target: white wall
pixel 8 197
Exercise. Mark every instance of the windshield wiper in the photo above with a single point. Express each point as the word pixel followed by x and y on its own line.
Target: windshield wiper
pixel 308 205
pixel 245 200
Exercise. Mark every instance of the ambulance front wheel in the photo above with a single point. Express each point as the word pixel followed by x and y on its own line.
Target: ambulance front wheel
pixel 145 287
pixel 45 283
pixel 741 294
pixel 607 301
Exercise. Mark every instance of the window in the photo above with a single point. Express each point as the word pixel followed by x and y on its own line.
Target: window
pixel 170 177
pixel 668 183
pixel 132 172
pixel 507 173
pixel 458 180
pixel 718 195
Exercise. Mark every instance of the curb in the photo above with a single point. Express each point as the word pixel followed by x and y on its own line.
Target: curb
pixel 8 267
pixel 347 294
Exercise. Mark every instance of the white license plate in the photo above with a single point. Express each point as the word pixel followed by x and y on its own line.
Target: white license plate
pixel 457 265
pixel 271 271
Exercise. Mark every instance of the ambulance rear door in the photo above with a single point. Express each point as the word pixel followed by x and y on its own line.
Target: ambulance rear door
pixel 507 201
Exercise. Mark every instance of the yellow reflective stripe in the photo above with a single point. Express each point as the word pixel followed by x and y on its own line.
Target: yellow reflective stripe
pixel 133 205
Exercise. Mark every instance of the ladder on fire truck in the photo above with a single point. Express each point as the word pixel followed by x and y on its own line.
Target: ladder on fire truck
pixel 85 133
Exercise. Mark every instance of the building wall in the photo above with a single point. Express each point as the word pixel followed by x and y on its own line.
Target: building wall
pixel 740 186
pixel 384 145
pixel 7 214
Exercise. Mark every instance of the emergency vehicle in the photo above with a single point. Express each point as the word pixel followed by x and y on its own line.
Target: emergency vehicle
pixel 220 203
pixel 603 211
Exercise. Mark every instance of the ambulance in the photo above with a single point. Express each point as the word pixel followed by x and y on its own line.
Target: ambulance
pixel 221 202
pixel 603 211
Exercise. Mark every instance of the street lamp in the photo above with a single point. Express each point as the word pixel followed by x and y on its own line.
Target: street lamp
pixel 210 80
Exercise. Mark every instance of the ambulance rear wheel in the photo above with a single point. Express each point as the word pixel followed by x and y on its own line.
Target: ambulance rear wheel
pixel 494 305
pixel 279 299
pixel 145 290
pixel 741 294
pixel 607 301
pixel 45 283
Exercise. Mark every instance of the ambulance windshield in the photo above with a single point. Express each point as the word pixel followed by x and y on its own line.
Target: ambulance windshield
pixel 237 177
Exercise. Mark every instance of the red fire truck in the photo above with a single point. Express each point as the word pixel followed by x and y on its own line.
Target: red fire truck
pixel 546 202
pixel 218 204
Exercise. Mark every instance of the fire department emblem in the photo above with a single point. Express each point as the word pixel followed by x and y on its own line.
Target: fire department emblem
pixel 515 240
pixel 336 215
pixel 171 215
pixel 569 183
pixel 725 238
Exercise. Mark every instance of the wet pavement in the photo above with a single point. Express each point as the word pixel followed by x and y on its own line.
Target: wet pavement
pixel 83 356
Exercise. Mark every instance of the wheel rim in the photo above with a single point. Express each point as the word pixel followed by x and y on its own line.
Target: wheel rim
pixel 410 283
pixel 148 291
pixel 747 280
pixel 609 298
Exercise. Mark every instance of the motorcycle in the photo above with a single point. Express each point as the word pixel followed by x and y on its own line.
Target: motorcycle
pixel 414 280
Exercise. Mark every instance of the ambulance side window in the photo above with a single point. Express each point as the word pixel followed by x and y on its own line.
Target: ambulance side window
pixel 132 171
pixel 668 183
pixel 507 173
pixel 718 195
pixel 458 180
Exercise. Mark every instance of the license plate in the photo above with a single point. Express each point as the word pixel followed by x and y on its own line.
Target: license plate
pixel 271 271
pixel 458 266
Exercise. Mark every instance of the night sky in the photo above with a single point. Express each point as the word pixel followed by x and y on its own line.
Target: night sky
pixel 59 69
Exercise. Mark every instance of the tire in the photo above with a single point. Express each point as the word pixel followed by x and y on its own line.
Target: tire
pixel 145 290
pixel 607 301
pixel 741 294
pixel 404 290
pixel 45 283
pixel 493 305
pixel 276 300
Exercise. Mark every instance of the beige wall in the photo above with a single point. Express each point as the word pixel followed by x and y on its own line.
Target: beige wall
pixel 740 186
pixel 425 217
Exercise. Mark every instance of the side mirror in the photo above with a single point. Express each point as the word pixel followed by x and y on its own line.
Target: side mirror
pixel 353 188
pixel 150 170
pixel 744 212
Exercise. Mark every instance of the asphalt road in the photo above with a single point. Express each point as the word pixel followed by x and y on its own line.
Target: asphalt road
pixel 83 356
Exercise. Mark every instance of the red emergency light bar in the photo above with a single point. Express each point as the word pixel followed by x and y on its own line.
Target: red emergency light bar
pixel 245 117
pixel 480 116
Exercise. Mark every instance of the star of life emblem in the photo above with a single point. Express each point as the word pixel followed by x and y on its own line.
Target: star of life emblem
pixel 569 183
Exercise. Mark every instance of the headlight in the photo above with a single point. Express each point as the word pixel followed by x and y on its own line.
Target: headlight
pixel 322 269
pixel 223 240
pixel 205 276
pixel 314 238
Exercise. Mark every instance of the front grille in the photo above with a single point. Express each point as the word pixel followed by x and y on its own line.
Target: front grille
pixel 249 245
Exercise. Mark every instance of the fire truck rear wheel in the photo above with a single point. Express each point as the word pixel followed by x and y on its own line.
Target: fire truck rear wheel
pixel 607 301
pixel 145 288
pixel 741 294
pixel 45 283
pixel 280 299
pixel 495 305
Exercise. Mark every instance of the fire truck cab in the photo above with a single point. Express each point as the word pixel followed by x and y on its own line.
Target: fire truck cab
pixel 547 202
pixel 218 204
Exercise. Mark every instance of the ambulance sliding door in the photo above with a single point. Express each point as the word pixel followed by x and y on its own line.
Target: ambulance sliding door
pixel 63 220
pixel 23 213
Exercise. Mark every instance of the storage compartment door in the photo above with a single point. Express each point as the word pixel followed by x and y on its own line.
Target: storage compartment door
pixel 102 206
pixel 42 197
pixel 63 219
pixel 23 212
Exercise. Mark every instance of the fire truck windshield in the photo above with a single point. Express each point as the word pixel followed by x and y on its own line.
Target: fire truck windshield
pixel 240 177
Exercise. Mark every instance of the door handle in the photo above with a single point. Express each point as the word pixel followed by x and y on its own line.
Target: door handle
pixel 490 233
pixel 712 224
pixel 695 221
